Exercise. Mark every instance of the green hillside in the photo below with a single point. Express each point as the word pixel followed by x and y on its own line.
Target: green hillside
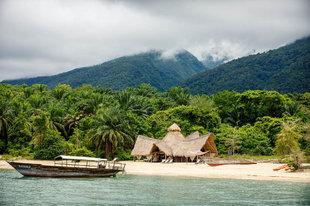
pixel 285 70
pixel 127 71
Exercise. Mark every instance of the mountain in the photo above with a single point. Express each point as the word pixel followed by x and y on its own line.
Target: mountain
pixel 209 62
pixel 286 70
pixel 117 74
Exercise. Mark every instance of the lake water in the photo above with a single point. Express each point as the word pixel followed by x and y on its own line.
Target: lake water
pixel 147 190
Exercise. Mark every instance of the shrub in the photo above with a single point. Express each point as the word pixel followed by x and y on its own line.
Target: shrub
pixel 83 151
pixel 124 155
pixel 24 152
pixel 52 145
pixel 295 159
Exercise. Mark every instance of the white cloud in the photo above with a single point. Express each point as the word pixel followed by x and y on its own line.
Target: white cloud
pixel 52 36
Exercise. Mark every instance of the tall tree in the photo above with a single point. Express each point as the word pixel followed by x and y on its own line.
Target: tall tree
pixel 5 113
pixel 110 130
pixel 287 138
pixel 233 142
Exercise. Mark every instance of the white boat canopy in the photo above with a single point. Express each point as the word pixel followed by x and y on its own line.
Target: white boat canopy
pixel 64 157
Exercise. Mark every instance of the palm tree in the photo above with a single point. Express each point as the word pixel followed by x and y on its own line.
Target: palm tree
pixel 137 104
pixel 203 102
pixel 40 126
pixel 56 114
pixel 5 114
pixel 93 102
pixel 110 130
pixel 125 99
pixel 233 116
pixel 146 90
pixel 292 108
pixel 179 95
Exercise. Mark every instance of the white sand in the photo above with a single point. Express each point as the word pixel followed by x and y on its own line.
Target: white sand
pixel 260 171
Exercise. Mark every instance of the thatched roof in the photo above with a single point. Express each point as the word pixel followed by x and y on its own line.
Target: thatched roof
pixel 190 147
pixel 174 144
pixel 173 138
pixel 145 146
pixel 192 136
pixel 162 146
pixel 174 128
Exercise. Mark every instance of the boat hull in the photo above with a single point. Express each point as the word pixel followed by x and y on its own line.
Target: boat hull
pixel 237 163
pixel 38 170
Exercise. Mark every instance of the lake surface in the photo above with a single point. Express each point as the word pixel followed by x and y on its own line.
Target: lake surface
pixel 147 190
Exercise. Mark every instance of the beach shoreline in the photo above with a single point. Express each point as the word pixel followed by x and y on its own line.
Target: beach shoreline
pixel 259 171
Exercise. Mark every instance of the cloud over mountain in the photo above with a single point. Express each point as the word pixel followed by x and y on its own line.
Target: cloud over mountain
pixel 48 37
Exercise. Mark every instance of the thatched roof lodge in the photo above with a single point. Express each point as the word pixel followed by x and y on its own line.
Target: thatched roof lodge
pixel 175 146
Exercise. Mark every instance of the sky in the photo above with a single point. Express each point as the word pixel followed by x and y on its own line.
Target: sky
pixel 53 36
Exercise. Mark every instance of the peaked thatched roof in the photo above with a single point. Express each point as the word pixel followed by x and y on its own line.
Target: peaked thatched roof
pixel 174 144
pixel 144 146
pixel 173 138
pixel 192 136
pixel 174 128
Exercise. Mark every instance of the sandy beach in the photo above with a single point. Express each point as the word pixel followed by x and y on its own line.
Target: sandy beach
pixel 260 171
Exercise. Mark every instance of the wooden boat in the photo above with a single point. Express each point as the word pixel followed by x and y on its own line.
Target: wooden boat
pixel 71 166
pixel 231 163
pixel 220 162
pixel 285 167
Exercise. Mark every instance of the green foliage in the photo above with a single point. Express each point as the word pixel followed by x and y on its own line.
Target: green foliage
pixel 52 145
pixel 295 159
pixel 102 122
pixel 179 95
pixel 2 146
pixel 253 141
pixel 24 152
pixel 222 134
pixel 285 70
pixel 233 142
pixel 189 118
pixel 240 109
pixel 83 152
pixel 270 127
pixel 124 154
pixel 203 102
pixel 109 130
pixel 287 139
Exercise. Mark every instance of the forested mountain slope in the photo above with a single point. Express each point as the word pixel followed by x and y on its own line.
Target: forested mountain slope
pixel 123 72
pixel 285 70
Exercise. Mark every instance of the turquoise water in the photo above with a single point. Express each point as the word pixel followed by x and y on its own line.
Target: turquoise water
pixel 147 190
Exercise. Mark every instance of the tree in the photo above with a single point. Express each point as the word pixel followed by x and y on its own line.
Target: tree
pixel 179 95
pixel 253 141
pixel 41 126
pixel 52 145
pixel 233 142
pixel 234 116
pixel 187 117
pixel 137 104
pixel 110 130
pixel 203 102
pixel 61 90
pixel 287 138
pixel 6 113
pixel 291 108
pixel 146 90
